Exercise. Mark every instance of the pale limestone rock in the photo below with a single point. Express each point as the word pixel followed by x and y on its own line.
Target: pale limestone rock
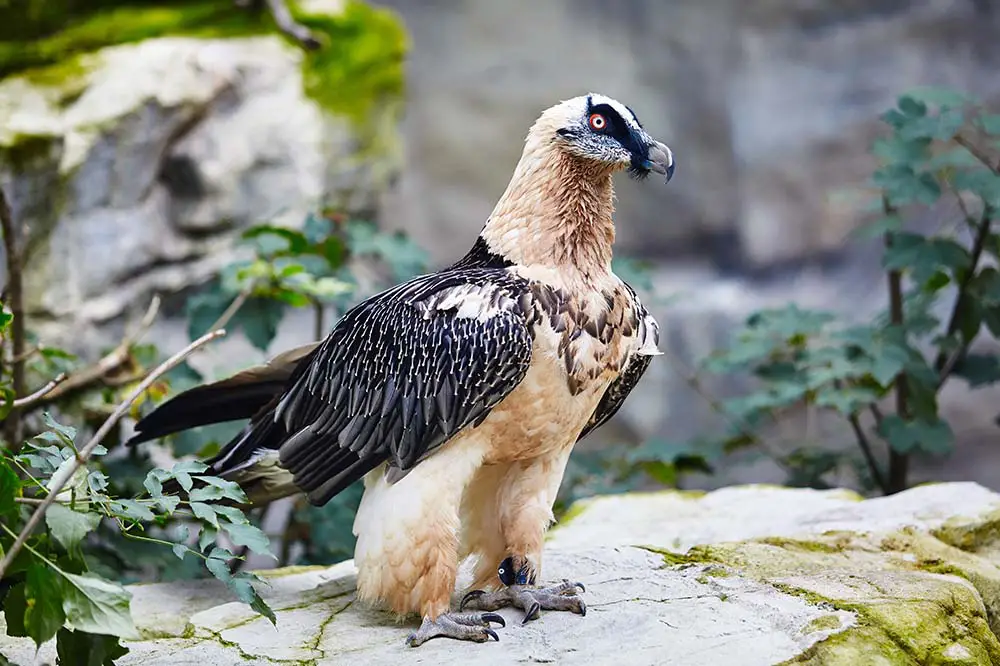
pixel 136 173
pixel 744 576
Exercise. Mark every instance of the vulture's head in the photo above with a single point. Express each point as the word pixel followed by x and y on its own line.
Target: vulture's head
pixel 602 130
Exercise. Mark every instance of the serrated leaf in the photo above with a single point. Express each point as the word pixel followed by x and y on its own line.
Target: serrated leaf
pixel 68 433
pixel 232 514
pixel 43 602
pixel 97 606
pixel 911 107
pixel 207 537
pixel 205 512
pixel 10 489
pixel 229 489
pixel 931 436
pixel 79 648
pixel 132 509
pixel 205 494
pixel 153 483
pixel 249 536
pixel 978 369
pixel 70 527
pixel 259 319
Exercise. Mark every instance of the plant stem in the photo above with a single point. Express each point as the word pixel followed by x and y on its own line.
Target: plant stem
pixel 898 462
pixel 319 325
pixel 944 363
pixel 13 430
pixel 84 454
pixel 81 379
pixel 27 401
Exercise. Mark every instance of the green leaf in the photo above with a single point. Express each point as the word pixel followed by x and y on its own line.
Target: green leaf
pixel 942 126
pixel 205 512
pixel 273 239
pixel 259 319
pixel 15 607
pixel 924 256
pixel 911 107
pixel 848 400
pixel 43 598
pixel 10 489
pixel 207 537
pixel 69 527
pixel 249 536
pixel 79 648
pixel 97 606
pixel 978 369
pixel 931 436
pixel 5 317
pixel 900 149
pixel 981 182
pixel 229 489
pixel 903 186
pixel 67 433
pixel 990 124
pixel 132 510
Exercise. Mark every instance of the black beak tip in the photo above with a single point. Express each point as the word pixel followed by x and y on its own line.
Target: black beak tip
pixel 670 172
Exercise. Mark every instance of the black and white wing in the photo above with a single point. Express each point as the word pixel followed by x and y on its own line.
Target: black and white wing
pixel 400 374
pixel 648 336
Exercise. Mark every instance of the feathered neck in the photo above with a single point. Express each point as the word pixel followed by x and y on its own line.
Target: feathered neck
pixel 556 212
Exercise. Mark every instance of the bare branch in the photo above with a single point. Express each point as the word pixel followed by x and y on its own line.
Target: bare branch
pixel 84 454
pixel 898 462
pixel 233 308
pixel 95 373
pixel 283 19
pixel 28 400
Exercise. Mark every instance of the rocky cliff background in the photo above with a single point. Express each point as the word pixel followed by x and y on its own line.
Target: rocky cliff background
pixel 134 166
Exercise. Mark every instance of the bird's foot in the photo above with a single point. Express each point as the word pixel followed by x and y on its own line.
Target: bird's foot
pixel 462 626
pixel 529 598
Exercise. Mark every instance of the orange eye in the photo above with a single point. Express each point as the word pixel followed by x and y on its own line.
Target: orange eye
pixel 597 122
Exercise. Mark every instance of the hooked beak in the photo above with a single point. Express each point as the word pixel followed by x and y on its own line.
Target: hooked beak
pixel 660 159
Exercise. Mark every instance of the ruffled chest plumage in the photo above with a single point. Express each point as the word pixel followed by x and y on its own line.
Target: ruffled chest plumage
pixel 594 333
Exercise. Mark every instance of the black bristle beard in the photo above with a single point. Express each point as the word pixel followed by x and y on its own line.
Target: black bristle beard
pixel 637 172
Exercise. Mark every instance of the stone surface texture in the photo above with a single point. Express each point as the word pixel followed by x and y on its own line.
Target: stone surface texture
pixel 743 576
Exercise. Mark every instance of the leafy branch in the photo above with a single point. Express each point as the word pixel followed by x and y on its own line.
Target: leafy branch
pixel 60 481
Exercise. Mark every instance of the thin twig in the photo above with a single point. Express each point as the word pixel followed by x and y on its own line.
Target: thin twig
pixel 898 462
pixel 13 424
pixel 287 24
pixel 977 152
pixel 28 400
pixel 95 373
pixel 866 447
pixel 84 453
pixel 233 308
pixel 690 377
pixel 945 363
pixel 28 353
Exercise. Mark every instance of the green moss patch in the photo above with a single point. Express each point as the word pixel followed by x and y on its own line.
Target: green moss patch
pixel 359 65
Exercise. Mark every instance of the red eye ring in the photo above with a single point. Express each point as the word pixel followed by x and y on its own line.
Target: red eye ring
pixel 597 122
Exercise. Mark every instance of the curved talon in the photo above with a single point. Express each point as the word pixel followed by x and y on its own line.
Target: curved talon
pixel 583 608
pixel 490 632
pixel 533 612
pixel 474 594
pixel 494 617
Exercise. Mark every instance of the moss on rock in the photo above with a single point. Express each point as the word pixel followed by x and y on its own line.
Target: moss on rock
pixel 359 65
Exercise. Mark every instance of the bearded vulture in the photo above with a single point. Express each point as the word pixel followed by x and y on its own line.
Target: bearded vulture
pixel 457 396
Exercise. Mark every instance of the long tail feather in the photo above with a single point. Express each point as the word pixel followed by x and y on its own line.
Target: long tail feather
pixel 241 396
